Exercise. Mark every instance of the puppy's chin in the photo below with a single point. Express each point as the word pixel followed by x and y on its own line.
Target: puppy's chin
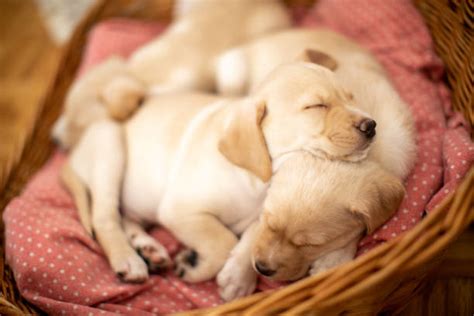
pixel 357 154
pixel 360 153
pixel 289 277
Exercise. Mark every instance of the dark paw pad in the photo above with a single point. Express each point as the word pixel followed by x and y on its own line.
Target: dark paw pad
pixel 191 258
pixel 155 262
pixel 157 266
pixel 121 275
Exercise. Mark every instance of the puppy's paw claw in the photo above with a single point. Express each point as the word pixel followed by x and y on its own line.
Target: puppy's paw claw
pixel 132 268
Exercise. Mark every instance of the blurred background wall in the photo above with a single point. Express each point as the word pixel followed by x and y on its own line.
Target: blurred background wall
pixel 32 34
pixel 61 16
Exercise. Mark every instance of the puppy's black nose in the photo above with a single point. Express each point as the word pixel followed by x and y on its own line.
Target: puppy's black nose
pixel 367 127
pixel 263 269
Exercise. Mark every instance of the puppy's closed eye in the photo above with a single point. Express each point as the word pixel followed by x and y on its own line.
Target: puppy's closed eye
pixel 301 240
pixel 305 245
pixel 316 106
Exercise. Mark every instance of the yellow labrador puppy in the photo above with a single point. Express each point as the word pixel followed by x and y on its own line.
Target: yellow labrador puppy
pixel 312 225
pixel 242 69
pixel 182 58
pixel 316 222
pixel 200 164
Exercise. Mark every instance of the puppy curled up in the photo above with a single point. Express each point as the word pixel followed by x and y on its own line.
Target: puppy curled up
pixel 200 165
pixel 312 225
pixel 178 60
pixel 303 119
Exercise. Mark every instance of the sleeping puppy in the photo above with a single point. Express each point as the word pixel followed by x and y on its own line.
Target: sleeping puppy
pixel 182 58
pixel 242 69
pixel 200 164
pixel 317 223
pixel 312 225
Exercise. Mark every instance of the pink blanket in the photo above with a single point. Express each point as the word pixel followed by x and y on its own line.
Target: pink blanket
pixel 62 270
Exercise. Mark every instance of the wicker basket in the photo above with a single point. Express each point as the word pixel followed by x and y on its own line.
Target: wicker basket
pixel 384 279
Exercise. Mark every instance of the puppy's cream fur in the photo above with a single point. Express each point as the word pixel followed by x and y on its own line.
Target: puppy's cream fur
pixel 328 207
pixel 182 58
pixel 184 55
pixel 200 164
pixel 84 103
pixel 357 71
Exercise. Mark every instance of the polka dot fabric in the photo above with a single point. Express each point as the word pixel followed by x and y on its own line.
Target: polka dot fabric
pixel 59 268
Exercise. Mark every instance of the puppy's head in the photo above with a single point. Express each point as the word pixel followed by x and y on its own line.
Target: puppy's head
pixel 314 207
pixel 300 105
pixel 309 108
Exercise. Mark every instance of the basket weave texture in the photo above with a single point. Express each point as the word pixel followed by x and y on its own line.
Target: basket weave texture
pixel 383 280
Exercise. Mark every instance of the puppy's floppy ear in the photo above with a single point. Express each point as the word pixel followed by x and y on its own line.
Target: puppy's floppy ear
pixel 317 57
pixel 243 142
pixel 378 198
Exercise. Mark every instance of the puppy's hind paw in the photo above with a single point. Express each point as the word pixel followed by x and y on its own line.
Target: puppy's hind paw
pixel 154 254
pixel 130 268
pixel 185 264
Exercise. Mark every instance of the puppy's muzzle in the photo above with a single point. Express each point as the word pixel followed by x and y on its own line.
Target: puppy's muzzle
pixel 263 269
pixel 367 128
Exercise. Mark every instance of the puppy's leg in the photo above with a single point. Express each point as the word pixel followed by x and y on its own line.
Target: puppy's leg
pixel 209 242
pixel 335 258
pixel 152 251
pixel 238 278
pixel 99 159
pixel 122 96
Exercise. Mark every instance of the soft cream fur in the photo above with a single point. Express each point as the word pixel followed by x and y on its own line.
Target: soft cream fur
pixel 182 58
pixel 84 103
pixel 200 164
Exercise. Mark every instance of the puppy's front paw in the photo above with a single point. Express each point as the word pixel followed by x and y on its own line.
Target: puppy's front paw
pixel 153 252
pixel 236 279
pixel 130 267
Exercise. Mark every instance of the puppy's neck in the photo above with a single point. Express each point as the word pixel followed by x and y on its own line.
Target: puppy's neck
pixel 278 161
